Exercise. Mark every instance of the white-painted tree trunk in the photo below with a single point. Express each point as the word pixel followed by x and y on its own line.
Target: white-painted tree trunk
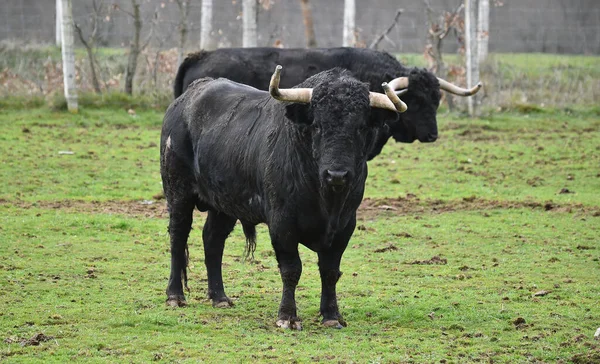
pixel 483 27
pixel 472 66
pixel 206 26
pixel 58 22
pixel 68 56
pixel 349 23
pixel 250 29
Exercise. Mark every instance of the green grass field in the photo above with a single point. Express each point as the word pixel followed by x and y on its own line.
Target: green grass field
pixel 481 247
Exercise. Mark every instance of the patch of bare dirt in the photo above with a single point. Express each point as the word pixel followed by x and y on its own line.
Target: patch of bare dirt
pixel 587 358
pixel 388 248
pixel 150 208
pixel 35 340
pixel 410 205
pixel 435 260
pixel 371 208
pixel 519 323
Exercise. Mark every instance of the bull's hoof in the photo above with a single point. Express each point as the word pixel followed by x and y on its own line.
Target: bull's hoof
pixel 176 301
pixel 290 324
pixel 222 303
pixel 333 323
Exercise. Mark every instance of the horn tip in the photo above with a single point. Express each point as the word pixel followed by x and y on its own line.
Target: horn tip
pixel 279 67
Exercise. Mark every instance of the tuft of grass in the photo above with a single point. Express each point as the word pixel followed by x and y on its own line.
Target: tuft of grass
pixel 22 102
pixel 121 100
pixel 528 108
pixel 57 102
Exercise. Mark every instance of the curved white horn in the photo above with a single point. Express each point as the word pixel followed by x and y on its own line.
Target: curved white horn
pixel 452 88
pixel 388 101
pixel 398 83
pixel 301 95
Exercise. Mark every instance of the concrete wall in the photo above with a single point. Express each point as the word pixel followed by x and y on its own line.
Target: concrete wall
pixel 554 26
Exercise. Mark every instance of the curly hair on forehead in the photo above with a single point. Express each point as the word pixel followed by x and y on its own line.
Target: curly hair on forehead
pixel 423 83
pixel 343 97
pixel 338 84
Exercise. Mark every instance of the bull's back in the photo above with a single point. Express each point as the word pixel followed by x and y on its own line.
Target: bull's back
pixel 254 66
pixel 249 66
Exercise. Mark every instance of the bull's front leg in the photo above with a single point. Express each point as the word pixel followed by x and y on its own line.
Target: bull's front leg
pixel 329 269
pixel 290 268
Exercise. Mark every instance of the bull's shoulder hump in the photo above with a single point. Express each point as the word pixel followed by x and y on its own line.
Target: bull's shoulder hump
pixel 224 97
pixel 227 87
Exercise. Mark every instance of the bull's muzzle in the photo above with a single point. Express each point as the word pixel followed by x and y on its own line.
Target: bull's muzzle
pixel 430 138
pixel 336 178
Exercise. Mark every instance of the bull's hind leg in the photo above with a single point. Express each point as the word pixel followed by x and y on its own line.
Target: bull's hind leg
pixel 329 268
pixel 180 224
pixel 216 229
pixel 178 186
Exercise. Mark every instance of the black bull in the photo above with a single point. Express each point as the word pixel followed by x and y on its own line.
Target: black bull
pixel 253 66
pixel 300 167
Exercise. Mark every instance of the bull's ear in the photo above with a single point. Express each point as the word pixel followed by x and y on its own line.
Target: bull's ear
pixel 299 113
pixel 379 117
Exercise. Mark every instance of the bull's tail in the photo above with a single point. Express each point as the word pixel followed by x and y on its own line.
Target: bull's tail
pixel 185 268
pixel 190 60
pixel 250 233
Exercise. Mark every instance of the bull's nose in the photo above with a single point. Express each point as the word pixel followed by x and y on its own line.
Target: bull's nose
pixel 430 138
pixel 336 178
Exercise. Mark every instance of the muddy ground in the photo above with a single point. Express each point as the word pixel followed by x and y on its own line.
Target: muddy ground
pixel 371 208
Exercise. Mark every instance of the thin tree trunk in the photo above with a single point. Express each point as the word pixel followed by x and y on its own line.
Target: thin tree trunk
pixel 440 66
pixel 483 26
pixel 95 81
pixel 89 48
pixel 183 30
pixel 68 56
pixel 250 12
pixel 90 43
pixel 134 48
pixel 206 26
pixel 58 22
pixel 471 51
pixel 349 23
pixel 309 29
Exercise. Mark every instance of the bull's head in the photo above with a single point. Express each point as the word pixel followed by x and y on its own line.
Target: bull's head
pixel 421 91
pixel 337 110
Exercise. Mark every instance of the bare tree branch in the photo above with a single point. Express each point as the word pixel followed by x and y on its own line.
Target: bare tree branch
pixel 90 43
pixel 384 34
pixel 438 30
pixel 90 54
pixel 117 7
